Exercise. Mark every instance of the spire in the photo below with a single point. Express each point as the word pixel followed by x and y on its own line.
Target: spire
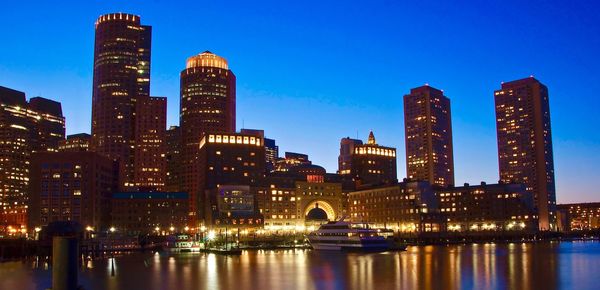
pixel 371 139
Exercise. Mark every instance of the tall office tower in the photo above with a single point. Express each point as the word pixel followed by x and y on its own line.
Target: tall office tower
pixel 525 143
pixel 373 164
pixel 150 148
pixel 173 178
pixel 25 127
pixel 428 136
pixel 345 159
pixel 207 106
pixel 121 80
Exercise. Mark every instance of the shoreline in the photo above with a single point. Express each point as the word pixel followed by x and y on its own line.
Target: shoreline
pixel 21 249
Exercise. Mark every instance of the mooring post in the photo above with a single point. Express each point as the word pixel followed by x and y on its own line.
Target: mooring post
pixel 64 263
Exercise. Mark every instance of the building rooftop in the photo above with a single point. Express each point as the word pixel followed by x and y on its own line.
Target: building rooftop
pixel 206 59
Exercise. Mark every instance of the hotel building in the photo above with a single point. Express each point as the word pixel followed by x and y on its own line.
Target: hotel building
pixel 295 201
pixel 409 207
pixel 525 143
pixel 488 208
pixel 428 136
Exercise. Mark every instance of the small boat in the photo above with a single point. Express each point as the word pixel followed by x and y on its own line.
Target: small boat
pixel 347 236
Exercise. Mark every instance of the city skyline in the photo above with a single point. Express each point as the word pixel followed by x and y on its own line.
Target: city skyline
pixel 370 109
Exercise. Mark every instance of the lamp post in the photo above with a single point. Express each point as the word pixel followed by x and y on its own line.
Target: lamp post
pixel 37 233
pixel 89 230
pixel 111 230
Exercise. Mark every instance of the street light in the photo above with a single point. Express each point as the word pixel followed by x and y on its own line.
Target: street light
pixel 171 229
pixel 112 239
pixel 89 230
pixel 211 235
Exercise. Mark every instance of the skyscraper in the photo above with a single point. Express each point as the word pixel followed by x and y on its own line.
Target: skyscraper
pixel 525 143
pixel 25 127
pixel 121 81
pixel 150 149
pixel 207 106
pixel 428 136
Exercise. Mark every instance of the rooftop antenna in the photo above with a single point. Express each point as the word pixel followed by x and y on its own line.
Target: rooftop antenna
pixel 243 123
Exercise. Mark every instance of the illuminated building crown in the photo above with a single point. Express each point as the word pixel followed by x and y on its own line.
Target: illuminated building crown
pixel 206 59
pixel 371 140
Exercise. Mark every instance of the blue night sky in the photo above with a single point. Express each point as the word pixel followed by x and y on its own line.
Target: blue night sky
pixel 310 73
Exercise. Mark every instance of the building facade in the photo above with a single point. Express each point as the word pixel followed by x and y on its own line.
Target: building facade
pixel 136 213
pixel 291 159
pixel 207 105
pixel 72 186
pixel 372 164
pixel 121 96
pixel 525 143
pixel 276 199
pixel 407 207
pixel 173 158
pixel 227 159
pixel 428 136
pixel 292 202
pixel 25 127
pixel 580 216
pixel 346 151
pixel 233 206
pixel 150 154
pixel 271 149
pixel 488 208
pixel 75 143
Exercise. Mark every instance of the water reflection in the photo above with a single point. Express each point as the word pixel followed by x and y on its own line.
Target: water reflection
pixel 477 266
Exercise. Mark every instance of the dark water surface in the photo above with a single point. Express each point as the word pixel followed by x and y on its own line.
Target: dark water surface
pixel 566 265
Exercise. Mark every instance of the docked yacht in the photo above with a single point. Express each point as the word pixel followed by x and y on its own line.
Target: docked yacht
pixel 348 236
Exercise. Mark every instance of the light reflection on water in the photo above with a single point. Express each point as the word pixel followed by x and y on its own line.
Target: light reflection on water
pixel 478 266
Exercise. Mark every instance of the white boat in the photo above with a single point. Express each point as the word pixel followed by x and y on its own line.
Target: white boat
pixel 348 236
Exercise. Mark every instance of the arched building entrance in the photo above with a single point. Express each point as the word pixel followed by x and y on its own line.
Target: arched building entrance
pixel 319 210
